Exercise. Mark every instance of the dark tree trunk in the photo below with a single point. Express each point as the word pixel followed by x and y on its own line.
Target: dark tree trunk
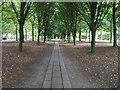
pixel 74 38
pixel 93 6
pixel 80 35
pixel 44 36
pixel 38 40
pixel 39 26
pixel 21 17
pixel 86 35
pixel 93 32
pixel 16 33
pixel 114 25
pixel 64 36
pixel 26 34
pixel 32 32
pixel 68 36
pixel 21 37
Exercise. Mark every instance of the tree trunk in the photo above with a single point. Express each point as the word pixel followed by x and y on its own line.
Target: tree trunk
pixel 38 40
pixel 93 32
pixel 26 34
pixel 114 25
pixel 32 32
pixel 74 38
pixel 21 37
pixel 86 35
pixel 39 24
pixel 16 33
pixel 44 36
pixel 80 35
pixel 64 36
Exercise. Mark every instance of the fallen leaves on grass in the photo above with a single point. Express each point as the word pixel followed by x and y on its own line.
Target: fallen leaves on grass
pixel 102 66
pixel 13 61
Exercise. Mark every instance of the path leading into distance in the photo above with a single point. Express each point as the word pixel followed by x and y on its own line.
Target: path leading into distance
pixel 56 75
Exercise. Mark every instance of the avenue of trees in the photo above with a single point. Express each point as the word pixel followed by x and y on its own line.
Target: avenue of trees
pixel 48 20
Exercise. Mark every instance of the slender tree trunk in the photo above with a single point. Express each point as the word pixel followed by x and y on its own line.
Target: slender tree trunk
pixel 16 33
pixel 74 38
pixel 64 36
pixel 45 33
pixel 21 37
pixel 114 25
pixel 32 32
pixel 86 35
pixel 39 27
pixel 44 36
pixel 26 34
pixel 80 35
pixel 93 32
pixel 38 40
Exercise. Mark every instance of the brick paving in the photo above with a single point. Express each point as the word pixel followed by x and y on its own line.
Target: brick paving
pixel 56 75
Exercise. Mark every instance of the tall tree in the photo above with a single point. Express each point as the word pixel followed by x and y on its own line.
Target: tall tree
pixel 114 25
pixel 93 14
pixel 21 16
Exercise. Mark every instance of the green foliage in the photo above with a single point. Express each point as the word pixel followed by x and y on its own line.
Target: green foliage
pixel 61 18
pixel 8 18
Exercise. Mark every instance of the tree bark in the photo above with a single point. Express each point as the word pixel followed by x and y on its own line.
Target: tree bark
pixel 74 37
pixel 38 40
pixel 44 36
pixel 21 17
pixel 68 36
pixel 26 34
pixel 39 21
pixel 64 36
pixel 86 35
pixel 21 37
pixel 80 35
pixel 93 32
pixel 114 25
pixel 32 32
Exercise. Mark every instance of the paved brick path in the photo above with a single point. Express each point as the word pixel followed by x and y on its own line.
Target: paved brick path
pixel 56 75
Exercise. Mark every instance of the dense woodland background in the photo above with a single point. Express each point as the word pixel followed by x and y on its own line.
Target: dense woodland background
pixel 71 21
pixel 81 27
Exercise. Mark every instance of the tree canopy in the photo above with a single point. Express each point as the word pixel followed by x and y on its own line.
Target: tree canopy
pixel 63 20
